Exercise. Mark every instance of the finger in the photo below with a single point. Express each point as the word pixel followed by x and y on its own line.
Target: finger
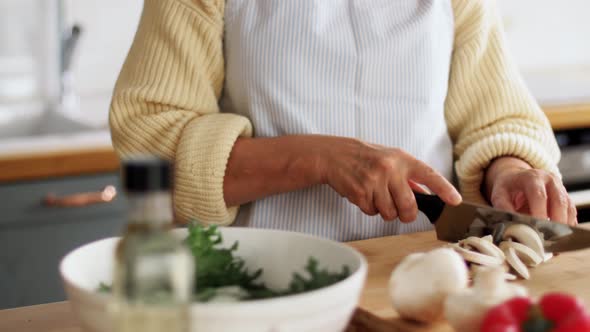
pixel 367 205
pixel 558 202
pixel 416 187
pixel 384 204
pixel 356 193
pixel 520 203
pixel 426 175
pixel 572 213
pixel 501 199
pixel 404 199
pixel 536 196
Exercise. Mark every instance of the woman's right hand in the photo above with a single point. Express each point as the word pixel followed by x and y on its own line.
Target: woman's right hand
pixel 379 179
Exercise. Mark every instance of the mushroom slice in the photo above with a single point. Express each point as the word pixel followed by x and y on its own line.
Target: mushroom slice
pixel 516 264
pixel 488 238
pixel 526 254
pixel 475 269
pixel 509 276
pixel 482 246
pixel 476 257
pixel 547 256
pixel 525 235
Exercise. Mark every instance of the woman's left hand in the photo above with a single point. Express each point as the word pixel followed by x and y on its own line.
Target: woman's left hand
pixel 513 185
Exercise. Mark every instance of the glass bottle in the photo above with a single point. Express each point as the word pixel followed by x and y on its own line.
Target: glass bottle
pixel 154 270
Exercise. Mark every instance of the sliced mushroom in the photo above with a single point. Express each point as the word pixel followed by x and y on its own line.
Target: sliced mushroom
pixel 509 276
pixel 547 256
pixel 482 246
pixel 475 269
pixel 488 238
pixel 526 254
pixel 476 257
pixel 525 235
pixel 516 264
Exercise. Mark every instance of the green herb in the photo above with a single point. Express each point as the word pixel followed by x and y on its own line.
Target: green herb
pixel 218 268
pixel 317 278
pixel 104 288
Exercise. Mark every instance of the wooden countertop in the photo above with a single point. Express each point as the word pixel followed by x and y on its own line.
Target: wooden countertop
pixel 44 165
pixel 40 165
pixel 568 116
pixel 568 272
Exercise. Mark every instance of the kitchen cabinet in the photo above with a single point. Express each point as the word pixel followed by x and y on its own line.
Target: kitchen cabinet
pixel 34 237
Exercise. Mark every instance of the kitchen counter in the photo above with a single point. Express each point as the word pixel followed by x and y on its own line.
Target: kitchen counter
pixel 93 153
pixel 41 165
pixel 568 116
pixel 41 157
pixel 569 272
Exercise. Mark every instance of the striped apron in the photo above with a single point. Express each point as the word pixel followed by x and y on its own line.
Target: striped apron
pixel 376 70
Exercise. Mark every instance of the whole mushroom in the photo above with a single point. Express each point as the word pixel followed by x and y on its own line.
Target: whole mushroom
pixel 421 282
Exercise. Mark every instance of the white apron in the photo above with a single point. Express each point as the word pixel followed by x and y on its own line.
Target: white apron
pixel 376 70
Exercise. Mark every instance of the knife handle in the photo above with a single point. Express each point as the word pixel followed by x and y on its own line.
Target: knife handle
pixel 431 205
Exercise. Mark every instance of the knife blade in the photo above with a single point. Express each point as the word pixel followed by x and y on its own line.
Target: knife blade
pixel 454 223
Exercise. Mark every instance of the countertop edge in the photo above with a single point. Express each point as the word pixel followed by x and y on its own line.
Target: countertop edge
pixel 71 162
pixel 563 117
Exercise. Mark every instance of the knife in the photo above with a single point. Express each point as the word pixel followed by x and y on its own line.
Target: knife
pixel 454 223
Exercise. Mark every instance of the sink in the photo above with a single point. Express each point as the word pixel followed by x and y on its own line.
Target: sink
pixel 33 119
pixel 31 127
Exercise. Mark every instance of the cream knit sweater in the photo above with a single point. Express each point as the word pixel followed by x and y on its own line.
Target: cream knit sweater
pixel 165 102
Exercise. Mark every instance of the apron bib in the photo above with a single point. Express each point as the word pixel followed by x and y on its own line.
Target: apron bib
pixel 376 70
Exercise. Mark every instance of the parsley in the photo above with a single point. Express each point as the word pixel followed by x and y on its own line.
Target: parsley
pixel 218 270
pixel 104 288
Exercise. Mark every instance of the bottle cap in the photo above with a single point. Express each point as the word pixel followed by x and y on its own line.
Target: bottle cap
pixel 146 173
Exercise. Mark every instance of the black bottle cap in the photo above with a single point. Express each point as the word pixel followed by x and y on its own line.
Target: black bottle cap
pixel 146 173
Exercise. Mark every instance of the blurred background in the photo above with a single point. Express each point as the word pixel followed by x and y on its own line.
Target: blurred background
pixel 59 60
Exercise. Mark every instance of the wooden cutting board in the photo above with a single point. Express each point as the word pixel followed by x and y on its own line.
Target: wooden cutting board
pixel 567 272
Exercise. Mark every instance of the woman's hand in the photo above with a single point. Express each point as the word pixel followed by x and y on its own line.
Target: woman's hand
pixel 379 179
pixel 513 185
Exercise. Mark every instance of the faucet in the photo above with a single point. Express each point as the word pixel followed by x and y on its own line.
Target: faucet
pixel 68 99
pixel 70 35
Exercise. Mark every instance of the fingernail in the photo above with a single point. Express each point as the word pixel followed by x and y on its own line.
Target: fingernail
pixel 456 197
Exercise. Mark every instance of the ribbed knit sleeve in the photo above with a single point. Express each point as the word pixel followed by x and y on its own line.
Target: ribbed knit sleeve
pixel 165 103
pixel 489 111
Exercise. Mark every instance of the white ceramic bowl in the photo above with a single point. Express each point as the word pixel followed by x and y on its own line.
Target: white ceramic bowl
pixel 279 253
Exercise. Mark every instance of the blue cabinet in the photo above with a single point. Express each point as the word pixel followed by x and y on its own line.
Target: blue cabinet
pixel 34 237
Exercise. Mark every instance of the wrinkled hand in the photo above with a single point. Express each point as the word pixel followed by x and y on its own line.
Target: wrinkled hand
pixel 513 185
pixel 379 179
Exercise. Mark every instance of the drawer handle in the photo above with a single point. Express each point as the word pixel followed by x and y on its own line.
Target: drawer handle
pixel 82 199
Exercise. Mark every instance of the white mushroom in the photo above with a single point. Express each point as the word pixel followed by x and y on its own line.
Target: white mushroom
pixel 475 269
pixel 465 309
pixel 516 264
pixel 476 257
pixel 488 238
pixel 420 283
pixel 525 235
pixel 526 254
pixel 547 256
pixel 483 246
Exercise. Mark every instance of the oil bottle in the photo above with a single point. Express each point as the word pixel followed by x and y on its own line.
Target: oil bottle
pixel 154 271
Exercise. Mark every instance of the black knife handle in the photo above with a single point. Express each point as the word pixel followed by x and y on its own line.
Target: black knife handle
pixel 431 205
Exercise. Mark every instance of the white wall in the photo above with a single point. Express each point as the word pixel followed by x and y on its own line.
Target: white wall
pixel 550 40
pixel 551 43
pixel 548 33
pixel 109 27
